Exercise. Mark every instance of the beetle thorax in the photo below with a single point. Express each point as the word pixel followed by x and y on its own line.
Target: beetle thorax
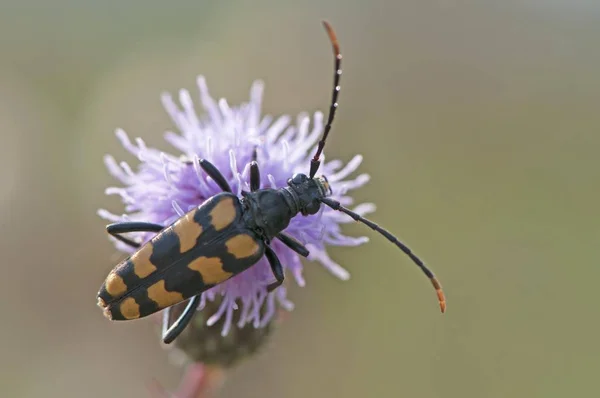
pixel 268 211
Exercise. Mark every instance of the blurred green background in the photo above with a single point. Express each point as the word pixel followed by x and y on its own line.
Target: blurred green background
pixel 480 125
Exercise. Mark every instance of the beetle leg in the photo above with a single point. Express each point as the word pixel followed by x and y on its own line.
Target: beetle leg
pixel 293 244
pixel 254 176
pixel 170 333
pixel 215 174
pixel 116 229
pixel 166 319
pixel 275 267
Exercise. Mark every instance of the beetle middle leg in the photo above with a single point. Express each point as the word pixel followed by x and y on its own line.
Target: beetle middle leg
pixel 275 267
pixel 116 229
pixel 293 244
pixel 170 333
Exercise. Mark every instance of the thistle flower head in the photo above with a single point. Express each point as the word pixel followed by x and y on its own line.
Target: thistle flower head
pixel 165 186
pixel 199 343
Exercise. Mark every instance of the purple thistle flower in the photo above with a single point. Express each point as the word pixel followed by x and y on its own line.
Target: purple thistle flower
pixel 165 186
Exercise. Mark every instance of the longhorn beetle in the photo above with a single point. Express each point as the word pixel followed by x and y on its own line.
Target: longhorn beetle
pixel 222 237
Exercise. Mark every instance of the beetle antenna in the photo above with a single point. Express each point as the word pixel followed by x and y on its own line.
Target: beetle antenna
pixel 316 162
pixel 335 205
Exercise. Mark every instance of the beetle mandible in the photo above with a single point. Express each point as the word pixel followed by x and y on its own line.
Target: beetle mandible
pixel 222 237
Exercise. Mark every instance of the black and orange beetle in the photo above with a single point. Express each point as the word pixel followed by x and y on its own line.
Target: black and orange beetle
pixel 222 237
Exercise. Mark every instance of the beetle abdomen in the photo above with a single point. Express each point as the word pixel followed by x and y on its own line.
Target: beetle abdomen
pixel 203 248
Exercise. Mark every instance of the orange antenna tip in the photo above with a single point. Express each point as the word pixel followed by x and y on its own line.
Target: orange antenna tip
pixel 332 38
pixel 440 293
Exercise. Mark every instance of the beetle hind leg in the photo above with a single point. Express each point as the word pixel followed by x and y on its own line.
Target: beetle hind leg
pixel 275 267
pixel 170 333
pixel 116 229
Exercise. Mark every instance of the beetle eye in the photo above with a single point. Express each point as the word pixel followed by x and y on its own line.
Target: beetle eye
pixel 313 207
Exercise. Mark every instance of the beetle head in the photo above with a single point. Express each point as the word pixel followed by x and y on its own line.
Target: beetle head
pixel 309 191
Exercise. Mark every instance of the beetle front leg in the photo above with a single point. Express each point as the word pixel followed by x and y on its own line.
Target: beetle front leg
pixel 275 267
pixel 254 176
pixel 170 333
pixel 116 229
pixel 215 174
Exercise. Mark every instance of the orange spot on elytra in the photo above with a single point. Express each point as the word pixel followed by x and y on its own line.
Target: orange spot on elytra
pixel 188 231
pixel 115 286
pixel 129 308
pixel 141 261
pixel 223 214
pixel 242 246
pixel 211 269
pixel 163 298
